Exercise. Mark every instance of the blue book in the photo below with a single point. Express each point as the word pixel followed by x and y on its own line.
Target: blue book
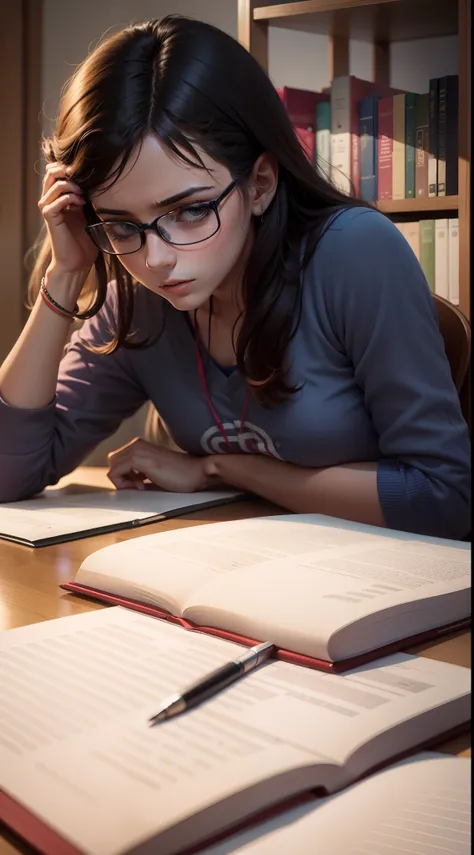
pixel 368 148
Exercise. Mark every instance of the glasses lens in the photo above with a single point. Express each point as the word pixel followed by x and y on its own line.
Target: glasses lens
pixel 116 238
pixel 189 225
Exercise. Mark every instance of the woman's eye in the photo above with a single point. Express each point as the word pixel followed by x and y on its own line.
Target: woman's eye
pixel 193 214
pixel 121 230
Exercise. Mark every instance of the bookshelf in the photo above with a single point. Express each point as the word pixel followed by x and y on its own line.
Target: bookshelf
pixel 380 23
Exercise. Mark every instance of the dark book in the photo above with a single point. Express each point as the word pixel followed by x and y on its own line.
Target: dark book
pixel 421 144
pixel 410 116
pixel 448 136
pixel 433 138
pixel 452 154
pixel 384 147
pixel 368 147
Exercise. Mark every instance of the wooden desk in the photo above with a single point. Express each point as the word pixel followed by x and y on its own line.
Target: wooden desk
pixel 30 592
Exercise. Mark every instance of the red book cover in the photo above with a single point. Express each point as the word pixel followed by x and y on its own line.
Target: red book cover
pixel 307 139
pixel 301 106
pixel 284 655
pixel 385 148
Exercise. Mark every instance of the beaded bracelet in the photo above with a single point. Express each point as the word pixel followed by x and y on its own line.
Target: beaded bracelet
pixel 56 307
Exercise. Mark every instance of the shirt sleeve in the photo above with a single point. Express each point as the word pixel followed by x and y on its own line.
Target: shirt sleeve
pixel 94 393
pixel 384 316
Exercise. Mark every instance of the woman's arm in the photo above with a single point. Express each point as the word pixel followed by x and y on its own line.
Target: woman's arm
pixel 92 396
pixel 348 491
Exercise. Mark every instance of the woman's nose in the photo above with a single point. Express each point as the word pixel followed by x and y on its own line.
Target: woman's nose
pixel 159 255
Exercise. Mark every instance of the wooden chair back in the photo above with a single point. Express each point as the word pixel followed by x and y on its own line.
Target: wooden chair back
pixel 456 332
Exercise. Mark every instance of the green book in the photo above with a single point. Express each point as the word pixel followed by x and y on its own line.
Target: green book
pixel 427 251
pixel 410 140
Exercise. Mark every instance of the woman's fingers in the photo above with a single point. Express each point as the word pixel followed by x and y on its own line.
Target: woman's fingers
pixel 57 189
pixel 128 465
pixel 53 173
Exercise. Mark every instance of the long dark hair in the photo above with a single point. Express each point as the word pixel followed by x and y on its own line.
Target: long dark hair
pixel 191 84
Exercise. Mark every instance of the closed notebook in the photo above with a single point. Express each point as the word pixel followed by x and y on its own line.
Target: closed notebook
pixel 73 512
pixel 326 591
pixel 81 770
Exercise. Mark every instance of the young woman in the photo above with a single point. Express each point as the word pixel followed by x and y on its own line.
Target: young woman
pixel 284 332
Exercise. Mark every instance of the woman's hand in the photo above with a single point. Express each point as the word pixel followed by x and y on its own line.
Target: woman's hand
pixel 61 205
pixel 138 461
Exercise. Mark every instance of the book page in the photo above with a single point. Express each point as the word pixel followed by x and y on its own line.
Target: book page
pixel 389 585
pixel 64 511
pixel 77 694
pixel 295 579
pixel 168 568
pixel 421 806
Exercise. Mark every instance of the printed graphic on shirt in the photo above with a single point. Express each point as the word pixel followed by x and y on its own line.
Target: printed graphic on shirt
pixel 251 440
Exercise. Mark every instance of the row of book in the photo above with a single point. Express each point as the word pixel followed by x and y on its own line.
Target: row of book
pixel 379 142
pixel 436 246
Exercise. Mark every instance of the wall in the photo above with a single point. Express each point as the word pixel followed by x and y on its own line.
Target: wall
pixel 299 59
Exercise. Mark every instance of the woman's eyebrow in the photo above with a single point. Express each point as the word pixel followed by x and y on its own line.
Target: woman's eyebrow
pixel 171 200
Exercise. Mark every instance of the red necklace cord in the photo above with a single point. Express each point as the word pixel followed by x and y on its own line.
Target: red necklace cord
pixel 219 425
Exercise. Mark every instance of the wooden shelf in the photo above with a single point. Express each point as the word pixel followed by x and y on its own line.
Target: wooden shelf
pixel 364 20
pixel 379 23
pixel 425 205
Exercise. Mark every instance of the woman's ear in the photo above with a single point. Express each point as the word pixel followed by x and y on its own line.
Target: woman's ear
pixel 263 183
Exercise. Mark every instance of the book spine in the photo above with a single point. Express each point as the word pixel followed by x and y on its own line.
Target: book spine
pixel 323 139
pixel 368 148
pixel 421 143
pixel 412 234
pixel 443 83
pixel 385 147
pixel 453 260
pixel 427 251
pixel 306 138
pixel 341 134
pixel 401 228
pixel 398 151
pixel 441 258
pixel 433 139
pixel 410 98
pixel 452 135
pixel 355 141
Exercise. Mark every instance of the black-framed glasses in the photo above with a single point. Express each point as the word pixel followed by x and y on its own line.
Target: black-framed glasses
pixel 184 226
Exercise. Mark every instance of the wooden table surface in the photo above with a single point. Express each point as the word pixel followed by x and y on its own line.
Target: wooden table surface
pixel 30 592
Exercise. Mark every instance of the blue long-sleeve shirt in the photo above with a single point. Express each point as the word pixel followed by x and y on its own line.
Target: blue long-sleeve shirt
pixel 376 386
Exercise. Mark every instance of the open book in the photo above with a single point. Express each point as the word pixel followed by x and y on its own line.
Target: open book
pixel 421 805
pixel 73 512
pixel 77 693
pixel 322 590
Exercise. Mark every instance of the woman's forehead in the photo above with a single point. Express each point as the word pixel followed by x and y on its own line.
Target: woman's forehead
pixel 153 172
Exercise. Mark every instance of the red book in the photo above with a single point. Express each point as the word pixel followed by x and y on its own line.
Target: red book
pixel 301 107
pixel 307 139
pixel 385 148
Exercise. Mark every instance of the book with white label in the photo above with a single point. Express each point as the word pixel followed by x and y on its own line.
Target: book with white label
pixel 77 696
pixel 441 258
pixel 324 590
pixel 421 805
pixel 453 255
pixel 73 512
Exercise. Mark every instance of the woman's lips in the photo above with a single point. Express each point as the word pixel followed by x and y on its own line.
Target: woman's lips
pixel 177 286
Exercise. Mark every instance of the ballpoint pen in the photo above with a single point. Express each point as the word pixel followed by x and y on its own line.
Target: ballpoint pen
pixel 213 682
